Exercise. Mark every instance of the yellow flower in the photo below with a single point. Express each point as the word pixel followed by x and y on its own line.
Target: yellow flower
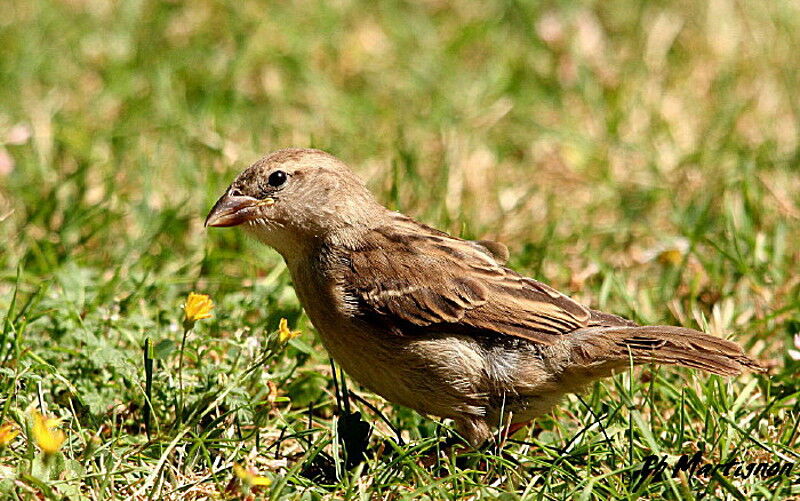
pixel 249 478
pixel 197 307
pixel 284 334
pixel 45 435
pixel 671 256
pixel 7 434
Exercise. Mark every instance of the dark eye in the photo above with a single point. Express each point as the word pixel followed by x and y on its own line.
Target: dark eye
pixel 277 178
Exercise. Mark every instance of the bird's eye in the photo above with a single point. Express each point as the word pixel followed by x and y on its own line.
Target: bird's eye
pixel 277 178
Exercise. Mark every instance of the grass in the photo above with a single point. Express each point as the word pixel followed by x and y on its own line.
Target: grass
pixel 641 156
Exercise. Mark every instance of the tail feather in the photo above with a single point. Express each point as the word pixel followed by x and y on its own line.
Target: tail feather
pixel 602 350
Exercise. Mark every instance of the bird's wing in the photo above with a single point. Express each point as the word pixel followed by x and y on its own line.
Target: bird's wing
pixel 410 278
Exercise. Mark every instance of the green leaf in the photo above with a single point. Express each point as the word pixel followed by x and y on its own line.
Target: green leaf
pixel 164 348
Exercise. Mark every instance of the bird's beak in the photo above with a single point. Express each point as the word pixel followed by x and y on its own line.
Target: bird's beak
pixel 232 210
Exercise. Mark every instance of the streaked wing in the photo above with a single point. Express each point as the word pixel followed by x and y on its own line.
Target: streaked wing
pixel 411 278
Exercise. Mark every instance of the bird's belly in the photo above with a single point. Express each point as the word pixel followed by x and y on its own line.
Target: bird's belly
pixel 442 377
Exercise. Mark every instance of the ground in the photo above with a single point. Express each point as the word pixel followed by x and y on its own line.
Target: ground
pixel 640 156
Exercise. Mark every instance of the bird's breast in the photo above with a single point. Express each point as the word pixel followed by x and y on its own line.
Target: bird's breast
pixel 359 351
pixel 382 362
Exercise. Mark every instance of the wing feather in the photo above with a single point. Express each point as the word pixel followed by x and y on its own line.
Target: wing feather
pixel 412 278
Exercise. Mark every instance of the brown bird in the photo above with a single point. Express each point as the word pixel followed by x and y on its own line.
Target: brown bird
pixel 434 322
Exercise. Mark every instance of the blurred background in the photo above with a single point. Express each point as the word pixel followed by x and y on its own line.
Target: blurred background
pixel 506 119
pixel 641 156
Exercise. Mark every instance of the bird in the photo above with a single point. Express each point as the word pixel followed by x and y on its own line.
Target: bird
pixel 434 322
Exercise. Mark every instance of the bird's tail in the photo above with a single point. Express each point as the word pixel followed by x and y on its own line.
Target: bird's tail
pixel 602 350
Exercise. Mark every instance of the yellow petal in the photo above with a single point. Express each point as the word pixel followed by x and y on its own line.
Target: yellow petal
pixel 284 334
pixel 52 422
pixel 7 434
pixel 250 478
pixel 45 435
pixel 197 307
pixel 239 471
pixel 670 256
pixel 259 480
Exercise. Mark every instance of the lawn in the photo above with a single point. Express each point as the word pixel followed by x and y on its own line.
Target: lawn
pixel 641 156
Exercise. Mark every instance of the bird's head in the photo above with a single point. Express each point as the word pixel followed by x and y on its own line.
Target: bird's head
pixel 294 198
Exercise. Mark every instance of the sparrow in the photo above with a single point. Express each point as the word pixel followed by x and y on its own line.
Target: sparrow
pixel 434 322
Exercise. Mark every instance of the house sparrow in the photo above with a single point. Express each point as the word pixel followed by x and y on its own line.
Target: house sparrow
pixel 434 322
